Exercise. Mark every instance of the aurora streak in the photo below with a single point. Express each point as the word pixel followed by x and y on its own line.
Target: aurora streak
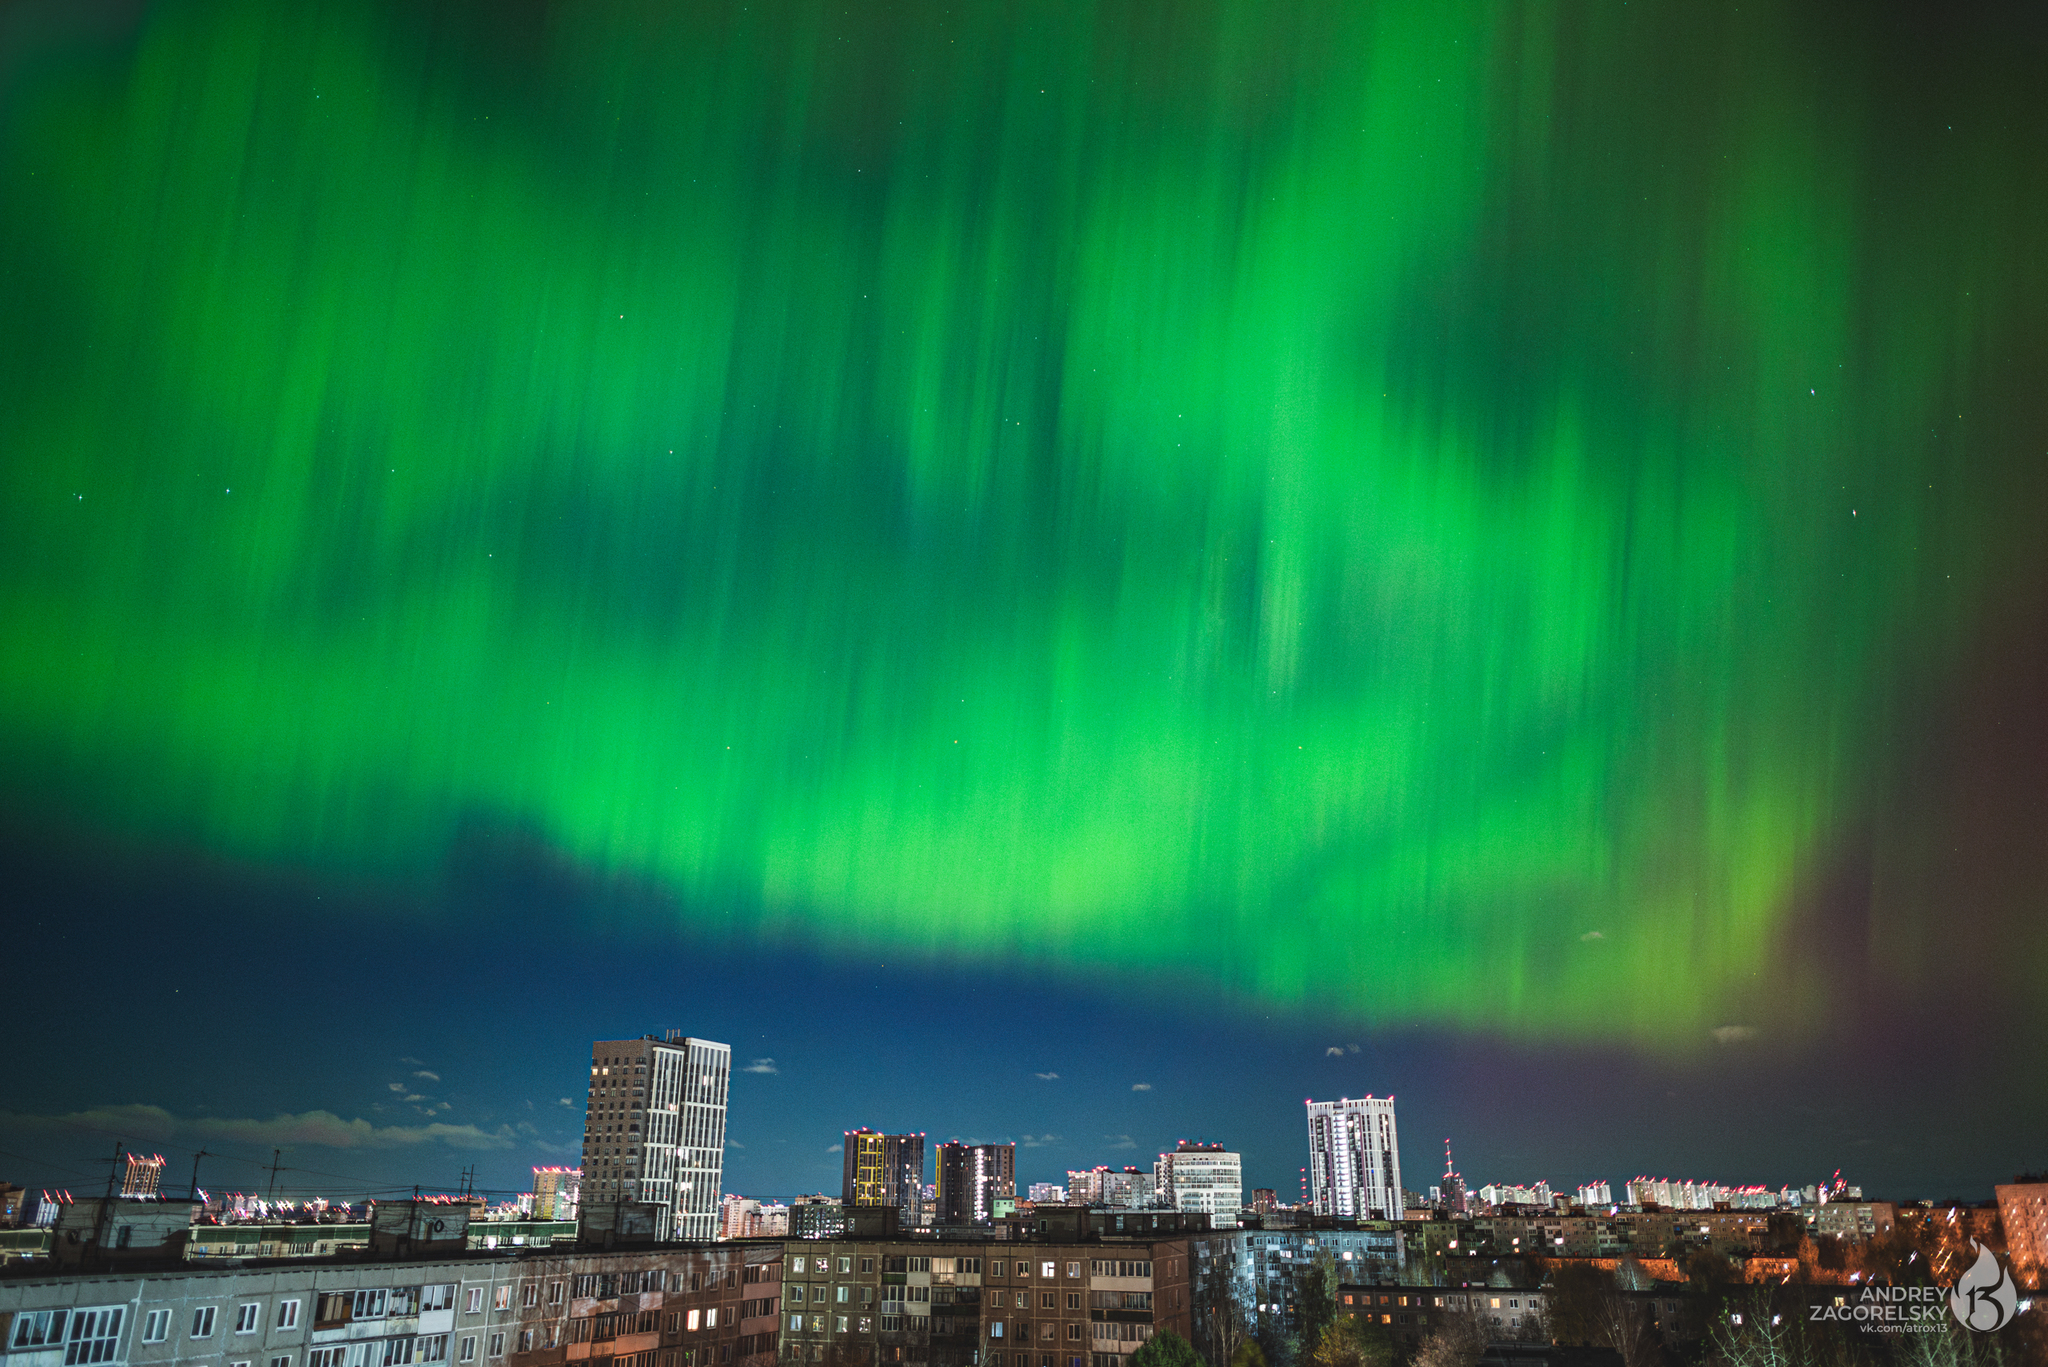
pixel 1335 503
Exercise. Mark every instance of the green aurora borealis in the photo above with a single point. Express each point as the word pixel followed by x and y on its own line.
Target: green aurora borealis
pixel 1335 502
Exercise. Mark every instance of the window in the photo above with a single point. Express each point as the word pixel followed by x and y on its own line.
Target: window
pixel 529 1294
pixel 95 1336
pixel 1048 1300
pixel 554 1293
pixel 284 1360
pixel 526 1340
pixel 867 1265
pixel 248 1317
pixel 202 1322
pixel 796 1324
pixel 474 1301
pixel 995 1269
pixel 795 1293
pixel 1048 1269
pixel 839 1293
pixel 1073 1300
pixel 711 1318
pixel 288 1314
pixel 1074 1332
pixel 434 1348
pixel 845 1265
pixel 691 1320
pixel 468 1348
pixel 440 1297
pixel 501 1298
pixel 497 1345
pixel 839 1323
pixel 796 1264
pixel 156 1326
pixel 33 1329
pixel 1073 1269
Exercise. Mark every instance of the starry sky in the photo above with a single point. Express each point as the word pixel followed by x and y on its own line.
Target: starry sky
pixel 1074 573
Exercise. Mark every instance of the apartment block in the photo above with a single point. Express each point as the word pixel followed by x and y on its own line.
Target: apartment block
pixel 1354 1156
pixel 885 1170
pixel 971 1177
pixel 654 1137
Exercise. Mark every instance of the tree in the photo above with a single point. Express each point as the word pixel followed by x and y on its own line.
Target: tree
pixel 1166 1349
pixel 1248 1354
pixel 1575 1296
pixel 1348 1342
pixel 1223 1323
pixel 1458 1340
pixel 1315 1302
pixel 1624 1324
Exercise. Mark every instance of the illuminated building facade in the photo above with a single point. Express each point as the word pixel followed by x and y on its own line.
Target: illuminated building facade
pixel 1355 1158
pixel 555 1191
pixel 654 1131
pixel 1201 1177
pixel 884 1170
pixel 971 1177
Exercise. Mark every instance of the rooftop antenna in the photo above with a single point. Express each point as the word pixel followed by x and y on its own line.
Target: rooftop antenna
pixel 275 1164
pixel 195 1171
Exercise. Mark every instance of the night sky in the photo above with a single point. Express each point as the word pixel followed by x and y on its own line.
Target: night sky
pixel 1050 572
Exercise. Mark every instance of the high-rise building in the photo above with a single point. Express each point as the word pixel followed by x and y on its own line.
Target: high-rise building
pixel 1354 1158
pixel 555 1191
pixel 971 1177
pixel 1113 1189
pixel 884 1170
pixel 1048 1194
pixel 654 1132
pixel 144 1177
pixel 1203 1177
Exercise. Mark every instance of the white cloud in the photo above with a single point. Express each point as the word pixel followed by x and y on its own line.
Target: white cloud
pixel 835 1148
pixel 414 1097
pixel 431 1077
pixel 1141 1086
pixel 1121 1141
pixel 321 1129
pixel 1734 1034
pixel 1038 1141
pixel 1334 1051
pixel 1047 1077
pixel 761 1065
pixel 734 1144
pixel 1593 935
pixel 398 1086
pixel 566 1102
pixel 1352 1047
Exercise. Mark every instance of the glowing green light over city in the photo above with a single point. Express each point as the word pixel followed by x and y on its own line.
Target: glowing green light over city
pixel 1400 507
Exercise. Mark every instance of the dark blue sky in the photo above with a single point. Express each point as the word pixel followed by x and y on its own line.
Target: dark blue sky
pixel 230 999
